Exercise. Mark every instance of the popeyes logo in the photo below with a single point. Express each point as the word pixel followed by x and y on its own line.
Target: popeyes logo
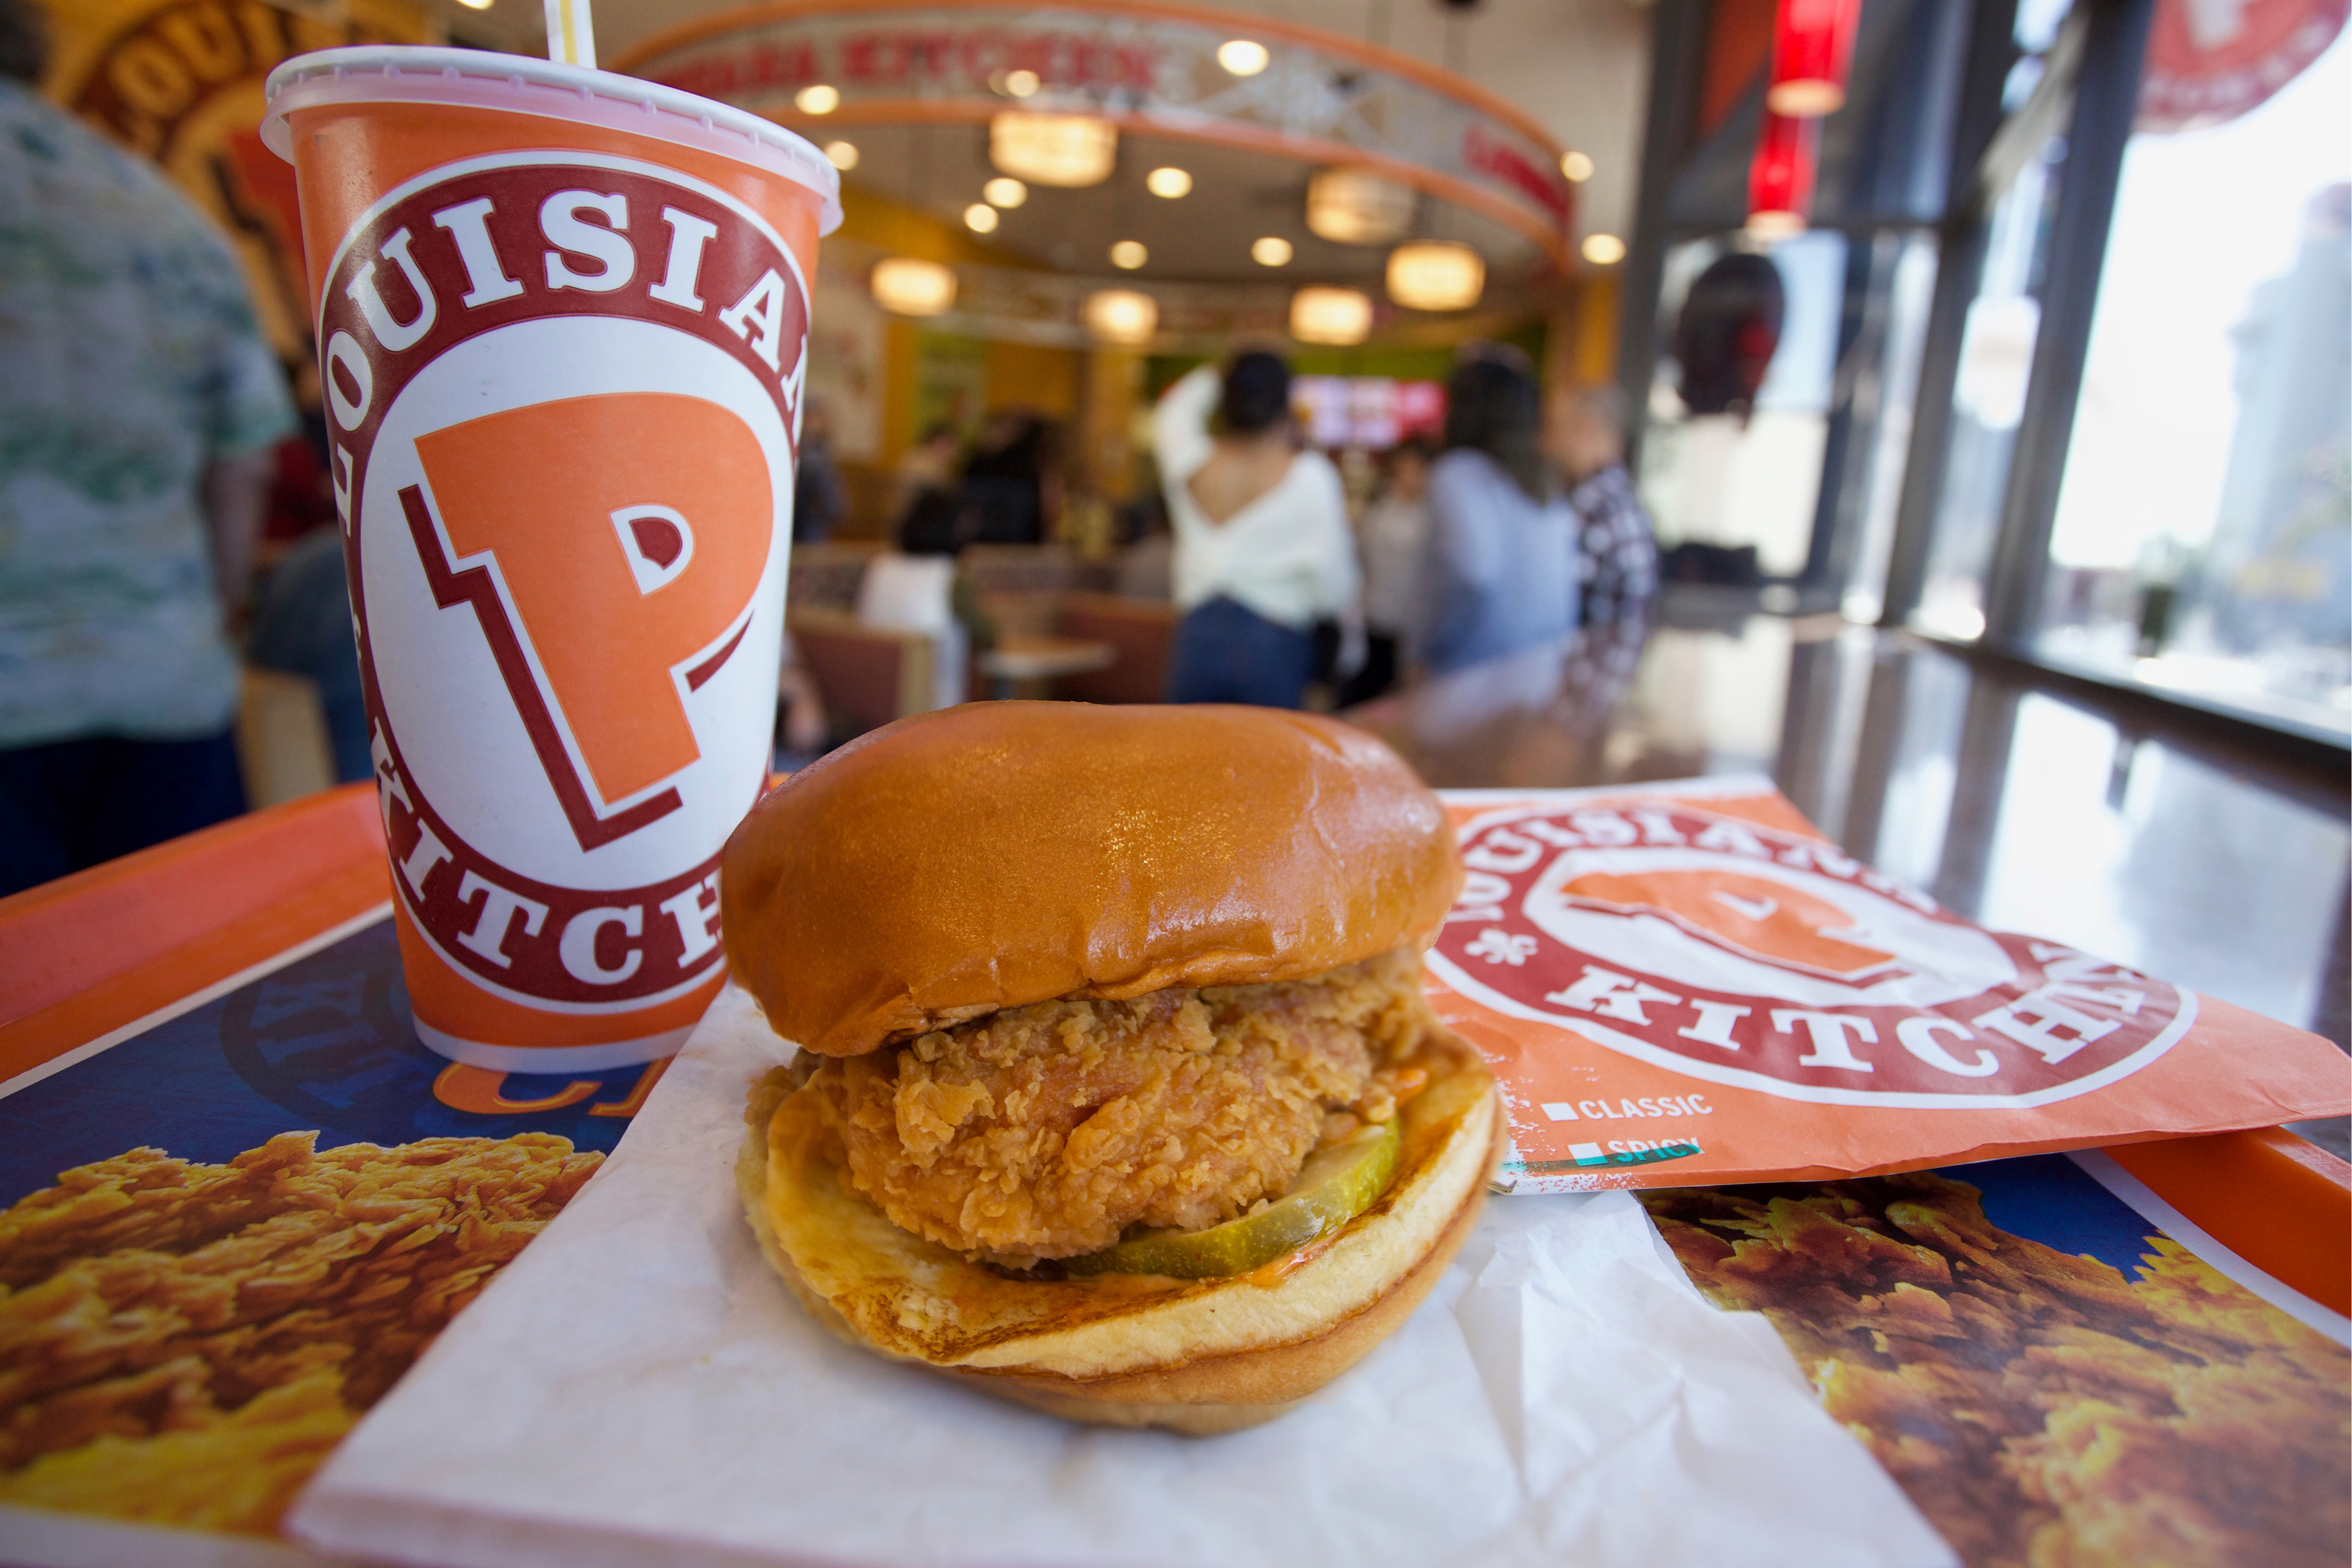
pixel 1743 956
pixel 563 393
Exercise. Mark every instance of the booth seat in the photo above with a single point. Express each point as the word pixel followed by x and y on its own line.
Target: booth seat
pixel 867 676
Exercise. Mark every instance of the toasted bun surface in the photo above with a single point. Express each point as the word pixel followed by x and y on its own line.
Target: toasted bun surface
pixel 1197 1356
pixel 1005 853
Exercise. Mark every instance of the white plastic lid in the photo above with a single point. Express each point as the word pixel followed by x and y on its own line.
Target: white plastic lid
pixel 396 73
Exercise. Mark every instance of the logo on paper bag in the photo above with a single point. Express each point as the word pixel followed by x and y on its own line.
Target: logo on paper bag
pixel 1734 954
pixel 564 395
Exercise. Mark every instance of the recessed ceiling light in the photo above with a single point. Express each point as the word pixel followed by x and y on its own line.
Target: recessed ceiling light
pixel 979 218
pixel 1168 183
pixel 1243 57
pixel 1576 166
pixel 817 99
pixel 1130 254
pixel 1271 251
pixel 1021 84
pixel 841 156
pixel 1603 249
pixel 1004 191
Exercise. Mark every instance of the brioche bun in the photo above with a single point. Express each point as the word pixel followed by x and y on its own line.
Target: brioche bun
pixel 1194 1356
pixel 1005 853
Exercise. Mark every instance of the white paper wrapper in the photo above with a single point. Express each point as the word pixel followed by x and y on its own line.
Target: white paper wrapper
pixel 639 1387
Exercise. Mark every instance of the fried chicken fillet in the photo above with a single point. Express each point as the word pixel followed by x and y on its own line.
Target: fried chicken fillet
pixel 1046 1131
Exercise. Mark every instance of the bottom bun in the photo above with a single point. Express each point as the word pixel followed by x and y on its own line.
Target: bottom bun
pixel 1196 1356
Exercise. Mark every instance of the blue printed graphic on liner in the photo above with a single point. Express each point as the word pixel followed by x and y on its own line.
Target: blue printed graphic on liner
pixel 323 1042
pixel 2048 1198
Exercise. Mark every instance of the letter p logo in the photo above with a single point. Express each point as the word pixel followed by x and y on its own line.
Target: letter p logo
pixel 629 531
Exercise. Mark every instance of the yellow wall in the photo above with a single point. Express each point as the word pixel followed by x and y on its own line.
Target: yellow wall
pixel 1028 375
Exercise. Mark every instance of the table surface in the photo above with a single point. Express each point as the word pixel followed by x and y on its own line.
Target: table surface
pixel 2029 803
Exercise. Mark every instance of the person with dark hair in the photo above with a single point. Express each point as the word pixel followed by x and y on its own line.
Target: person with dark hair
pixel 1617 553
pixel 918 587
pixel 1008 481
pixel 141 408
pixel 1263 549
pixel 819 500
pixel 1503 540
pixel 928 465
pixel 1395 537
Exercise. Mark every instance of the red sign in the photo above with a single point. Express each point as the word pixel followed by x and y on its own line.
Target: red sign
pixel 2212 60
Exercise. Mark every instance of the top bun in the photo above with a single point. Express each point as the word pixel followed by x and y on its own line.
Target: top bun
pixel 1005 853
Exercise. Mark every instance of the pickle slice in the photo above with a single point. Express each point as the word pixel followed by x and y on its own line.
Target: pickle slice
pixel 1334 1186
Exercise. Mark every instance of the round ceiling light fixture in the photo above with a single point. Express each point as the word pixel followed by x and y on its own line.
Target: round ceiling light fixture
pixel 1021 83
pixel 1243 57
pixel 1070 151
pixel 817 99
pixel 1576 167
pixel 907 287
pixel 1004 191
pixel 1170 183
pixel 979 218
pixel 1353 208
pixel 1130 254
pixel 1122 315
pixel 1603 249
pixel 1341 318
pixel 1434 275
pixel 1271 251
pixel 841 156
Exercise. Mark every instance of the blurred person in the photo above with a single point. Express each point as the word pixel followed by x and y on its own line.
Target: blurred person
pixel 1263 549
pixel 917 587
pixel 1394 539
pixel 141 406
pixel 928 465
pixel 1008 481
pixel 1502 555
pixel 803 729
pixel 1617 550
pixel 302 625
pixel 819 501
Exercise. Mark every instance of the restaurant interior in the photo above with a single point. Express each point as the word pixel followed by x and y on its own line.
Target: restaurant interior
pixel 1981 368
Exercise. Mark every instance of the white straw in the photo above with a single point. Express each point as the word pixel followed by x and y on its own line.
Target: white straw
pixel 570 33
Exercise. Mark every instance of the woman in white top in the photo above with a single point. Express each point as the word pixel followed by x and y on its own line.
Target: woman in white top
pixel 1263 549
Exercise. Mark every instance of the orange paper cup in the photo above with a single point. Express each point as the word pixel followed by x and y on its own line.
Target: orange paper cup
pixel 562 324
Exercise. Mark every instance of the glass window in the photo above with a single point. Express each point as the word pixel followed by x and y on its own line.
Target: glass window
pixel 2203 538
pixel 1989 398
pixel 1747 475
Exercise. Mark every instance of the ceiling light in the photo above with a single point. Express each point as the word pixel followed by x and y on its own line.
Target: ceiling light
pixel 1021 84
pixel 1357 208
pixel 1130 254
pixel 1339 317
pixel 1067 149
pixel 1576 166
pixel 913 288
pixel 817 99
pixel 841 156
pixel 1603 249
pixel 979 218
pixel 1243 57
pixel 475 5
pixel 1122 315
pixel 1435 276
pixel 1271 251
pixel 1001 192
pixel 1168 183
